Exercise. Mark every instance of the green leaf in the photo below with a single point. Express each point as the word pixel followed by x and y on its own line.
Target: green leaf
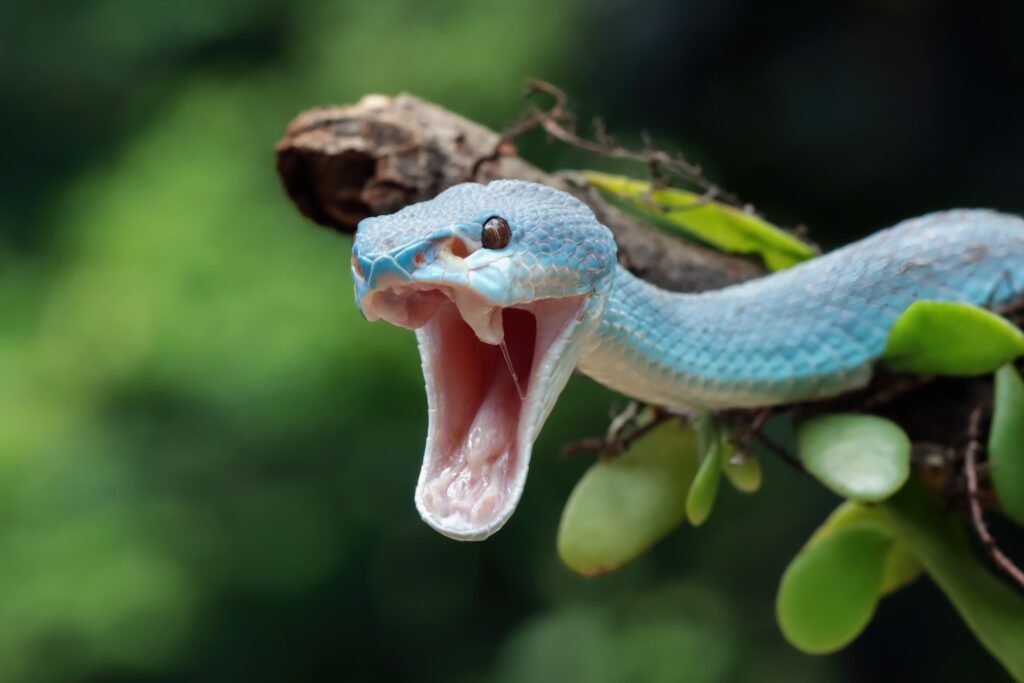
pixel 574 640
pixel 723 227
pixel 861 457
pixel 1006 443
pixel 623 505
pixel 948 338
pixel 992 610
pixel 642 640
pixel 850 514
pixel 900 567
pixel 745 475
pixel 830 589
pixel 701 497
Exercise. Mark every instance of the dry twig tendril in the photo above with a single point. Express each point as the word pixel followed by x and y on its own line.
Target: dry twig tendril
pixel 999 558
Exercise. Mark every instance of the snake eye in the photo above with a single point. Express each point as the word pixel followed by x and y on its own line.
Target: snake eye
pixel 496 234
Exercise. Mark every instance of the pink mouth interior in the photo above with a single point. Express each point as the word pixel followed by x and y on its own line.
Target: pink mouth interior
pixel 474 453
pixel 482 424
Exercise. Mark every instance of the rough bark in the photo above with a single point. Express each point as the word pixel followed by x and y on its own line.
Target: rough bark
pixel 341 164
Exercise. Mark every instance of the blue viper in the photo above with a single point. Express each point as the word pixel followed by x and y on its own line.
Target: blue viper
pixel 500 330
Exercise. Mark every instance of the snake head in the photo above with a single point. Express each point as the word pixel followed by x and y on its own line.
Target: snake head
pixel 503 283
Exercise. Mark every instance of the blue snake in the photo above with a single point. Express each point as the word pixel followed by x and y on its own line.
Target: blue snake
pixel 510 286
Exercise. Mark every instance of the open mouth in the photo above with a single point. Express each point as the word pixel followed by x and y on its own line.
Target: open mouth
pixel 492 375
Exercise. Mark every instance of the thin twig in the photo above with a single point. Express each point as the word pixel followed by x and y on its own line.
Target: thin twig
pixel 626 429
pixel 900 386
pixel 746 425
pixel 977 517
pixel 623 419
pixel 559 123
pixel 658 160
pixel 782 453
pixel 1011 309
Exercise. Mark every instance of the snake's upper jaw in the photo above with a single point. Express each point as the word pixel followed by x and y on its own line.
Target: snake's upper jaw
pixel 485 410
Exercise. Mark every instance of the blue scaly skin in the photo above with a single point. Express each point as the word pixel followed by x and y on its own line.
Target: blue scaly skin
pixel 557 297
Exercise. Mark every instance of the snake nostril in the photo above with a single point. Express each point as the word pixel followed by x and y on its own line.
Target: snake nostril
pixel 419 259
pixel 356 266
pixel 458 248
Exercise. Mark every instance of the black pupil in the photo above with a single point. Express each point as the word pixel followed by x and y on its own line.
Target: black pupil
pixel 496 233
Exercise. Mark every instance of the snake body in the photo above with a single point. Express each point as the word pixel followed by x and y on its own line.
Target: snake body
pixel 809 332
pixel 805 333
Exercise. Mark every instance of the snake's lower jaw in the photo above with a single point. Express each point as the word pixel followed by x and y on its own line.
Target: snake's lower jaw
pixel 486 407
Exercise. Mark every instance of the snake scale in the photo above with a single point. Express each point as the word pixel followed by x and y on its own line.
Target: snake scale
pixel 512 285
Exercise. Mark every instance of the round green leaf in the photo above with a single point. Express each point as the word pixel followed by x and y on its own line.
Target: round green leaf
pixel 830 589
pixel 1006 443
pixel 901 564
pixel 560 645
pixel 948 338
pixel 622 506
pixel 861 457
pixel 645 641
pixel 745 476
pixel 850 514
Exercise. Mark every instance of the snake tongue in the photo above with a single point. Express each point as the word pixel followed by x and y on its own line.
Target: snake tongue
pixel 486 407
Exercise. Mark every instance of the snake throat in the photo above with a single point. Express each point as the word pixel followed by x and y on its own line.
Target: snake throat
pixel 484 409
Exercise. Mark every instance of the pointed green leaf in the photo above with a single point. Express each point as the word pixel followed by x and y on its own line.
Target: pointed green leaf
pixel 723 227
pixel 623 505
pixel 745 476
pixel 830 589
pixel 862 457
pixel 1006 443
pixel 701 497
pixel 993 610
pixel 948 338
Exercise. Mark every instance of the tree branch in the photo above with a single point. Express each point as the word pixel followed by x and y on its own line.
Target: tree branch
pixel 341 164
pixel 344 163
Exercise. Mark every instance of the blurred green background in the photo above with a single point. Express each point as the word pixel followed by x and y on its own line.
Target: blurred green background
pixel 207 458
